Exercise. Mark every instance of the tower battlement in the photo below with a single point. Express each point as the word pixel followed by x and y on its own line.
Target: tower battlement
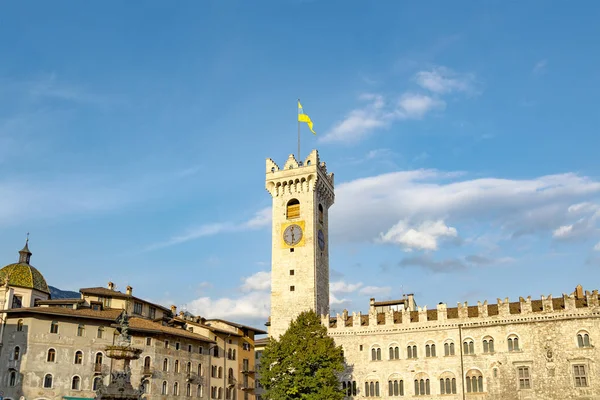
pixel 574 305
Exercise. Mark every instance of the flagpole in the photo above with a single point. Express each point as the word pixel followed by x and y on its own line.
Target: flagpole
pixel 298 119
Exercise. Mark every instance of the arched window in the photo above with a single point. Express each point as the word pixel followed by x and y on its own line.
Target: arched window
pixel 376 354
pixel 165 364
pixel 54 327
pixel 20 325
pixel 394 352
pixel 233 354
pixel 80 330
pixel 100 332
pixel 229 354
pixel 176 389
pixel 16 353
pixel 430 350
pixel 146 386
pixel 188 390
pixel 293 209
pixel 12 380
pixel 220 374
pixel 176 366
pixel 76 383
pixel 447 383
pixel 164 388
pixel 320 213
pixel 513 343
pixel 488 345
pixel 78 357
pixel 474 381
pixel 199 391
pixel 97 383
pixel 411 351
pixel 220 392
pixel 199 369
pixel 395 387
pixel 449 349
pixel 468 346
pixel 372 389
pixel 51 355
pixel 583 339
pixel 98 359
pixel 48 381
pixel 422 386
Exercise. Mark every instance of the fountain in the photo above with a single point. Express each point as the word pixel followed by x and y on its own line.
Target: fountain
pixel 120 384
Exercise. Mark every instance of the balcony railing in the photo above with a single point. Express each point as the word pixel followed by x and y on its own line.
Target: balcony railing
pixel 147 371
pixel 97 368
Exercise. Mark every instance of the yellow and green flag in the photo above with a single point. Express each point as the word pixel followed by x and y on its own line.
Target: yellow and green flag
pixel 305 118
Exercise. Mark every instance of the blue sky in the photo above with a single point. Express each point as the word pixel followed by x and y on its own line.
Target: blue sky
pixel 463 138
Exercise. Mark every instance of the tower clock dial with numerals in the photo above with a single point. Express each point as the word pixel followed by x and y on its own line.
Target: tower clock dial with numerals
pixel 292 235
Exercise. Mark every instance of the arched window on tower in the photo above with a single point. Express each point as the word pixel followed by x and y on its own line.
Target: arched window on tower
pixel 293 209
pixel 320 213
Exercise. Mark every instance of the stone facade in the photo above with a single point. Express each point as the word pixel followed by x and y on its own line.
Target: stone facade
pixel 56 348
pixel 302 194
pixel 531 349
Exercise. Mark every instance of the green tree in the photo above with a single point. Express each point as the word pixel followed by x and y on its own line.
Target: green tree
pixel 303 363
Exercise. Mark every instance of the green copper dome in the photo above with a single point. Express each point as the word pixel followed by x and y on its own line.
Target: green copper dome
pixel 22 274
pixel 25 276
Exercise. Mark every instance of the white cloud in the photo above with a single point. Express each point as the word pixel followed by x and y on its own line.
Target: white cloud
pixel 540 67
pixel 379 112
pixel 423 237
pixel 260 219
pixel 597 247
pixel 415 105
pixel 364 207
pixel 343 287
pixel 376 290
pixel 248 306
pixel 442 80
pixel 259 281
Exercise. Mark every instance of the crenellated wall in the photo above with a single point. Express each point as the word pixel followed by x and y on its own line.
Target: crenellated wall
pixel 546 330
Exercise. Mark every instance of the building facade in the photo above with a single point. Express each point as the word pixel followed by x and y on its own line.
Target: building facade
pixel 530 349
pixel 54 348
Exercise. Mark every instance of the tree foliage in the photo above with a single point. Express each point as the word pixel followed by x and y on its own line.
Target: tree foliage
pixel 303 363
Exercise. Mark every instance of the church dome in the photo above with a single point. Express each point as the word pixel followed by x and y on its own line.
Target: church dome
pixel 24 275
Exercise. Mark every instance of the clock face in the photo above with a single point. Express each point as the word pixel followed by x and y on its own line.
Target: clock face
pixel 292 235
pixel 321 238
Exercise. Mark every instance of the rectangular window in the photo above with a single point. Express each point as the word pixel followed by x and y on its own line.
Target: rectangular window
pixel 177 346
pixel 17 302
pixel 245 364
pixel 106 301
pixel 148 341
pixel 152 313
pixel 189 348
pixel 166 344
pixel 580 374
pixel 292 288
pixel 524 378
pixel 291 272
pixel 138 307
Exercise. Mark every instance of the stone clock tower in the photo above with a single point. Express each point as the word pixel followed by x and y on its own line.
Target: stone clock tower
pixel 302 194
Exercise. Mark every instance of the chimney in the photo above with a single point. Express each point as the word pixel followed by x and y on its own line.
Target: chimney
pixel 129 290
pixel 111 286
pixel 174 310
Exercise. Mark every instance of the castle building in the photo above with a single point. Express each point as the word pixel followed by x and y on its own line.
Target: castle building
pixel 54 348
pixel 538 349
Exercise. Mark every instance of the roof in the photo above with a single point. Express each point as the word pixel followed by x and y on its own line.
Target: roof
pixel 146 325
pixel 108 314
pixel 61 301
pixel 261 342
pixel 256 330
pixel 101 291
pixel 25 276
pixel 135 323
pixel 389 302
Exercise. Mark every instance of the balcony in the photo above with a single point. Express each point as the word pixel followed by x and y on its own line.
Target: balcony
pixel 248 371
pixel 231 381
pixel 97 368
pixel 147 371
pixel 191 377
